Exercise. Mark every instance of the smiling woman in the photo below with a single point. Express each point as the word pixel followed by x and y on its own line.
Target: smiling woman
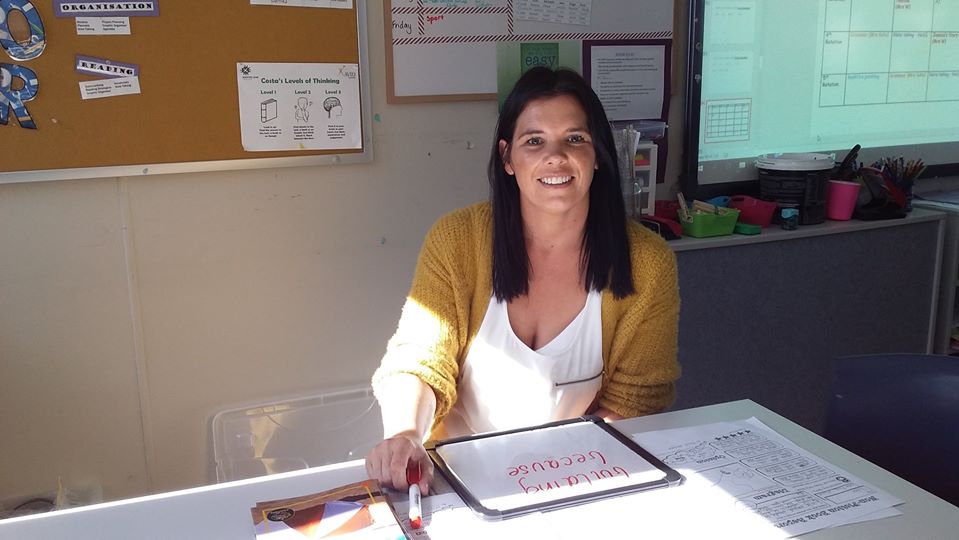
pixel 552 157
pixel 543 304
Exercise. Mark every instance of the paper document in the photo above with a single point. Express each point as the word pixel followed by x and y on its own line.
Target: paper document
pixel 103 26
pixel 630 80
pixel 764 474
pixel 102 88
pixel 566 12
pixel 340 4
pixel 299 106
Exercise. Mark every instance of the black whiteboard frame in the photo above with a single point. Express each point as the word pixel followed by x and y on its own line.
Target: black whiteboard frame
pixel 671 477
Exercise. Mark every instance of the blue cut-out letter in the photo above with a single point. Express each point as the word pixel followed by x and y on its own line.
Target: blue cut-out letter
pixel 34 46
pixel 15 99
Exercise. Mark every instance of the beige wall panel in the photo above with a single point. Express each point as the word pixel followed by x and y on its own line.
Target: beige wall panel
pixel 68 384
pixel 259 285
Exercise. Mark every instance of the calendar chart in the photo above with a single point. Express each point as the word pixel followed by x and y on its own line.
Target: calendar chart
pixel 727 120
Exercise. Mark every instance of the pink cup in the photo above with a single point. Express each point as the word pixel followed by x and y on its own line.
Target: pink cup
pixel 841 199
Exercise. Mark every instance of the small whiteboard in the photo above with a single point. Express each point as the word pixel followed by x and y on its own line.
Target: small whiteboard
pixel 510 473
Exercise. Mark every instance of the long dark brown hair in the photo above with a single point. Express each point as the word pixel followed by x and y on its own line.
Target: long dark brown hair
pixel 605 249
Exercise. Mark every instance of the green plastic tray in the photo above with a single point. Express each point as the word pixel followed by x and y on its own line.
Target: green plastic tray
pixel 706 225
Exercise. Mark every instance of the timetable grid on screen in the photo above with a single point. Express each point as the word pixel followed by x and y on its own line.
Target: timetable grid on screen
pixel 821 76
pixel 909 57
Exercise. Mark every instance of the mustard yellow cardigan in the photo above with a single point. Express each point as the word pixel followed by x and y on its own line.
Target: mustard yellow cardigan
pixel 451 290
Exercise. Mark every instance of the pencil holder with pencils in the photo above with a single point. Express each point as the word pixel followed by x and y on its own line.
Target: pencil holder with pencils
pixel 889 182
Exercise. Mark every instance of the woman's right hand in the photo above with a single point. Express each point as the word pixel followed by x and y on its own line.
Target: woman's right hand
pixel 407 405
pixel 389 460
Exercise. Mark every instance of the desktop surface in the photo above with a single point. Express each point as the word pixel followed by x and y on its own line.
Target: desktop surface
pixel 222 510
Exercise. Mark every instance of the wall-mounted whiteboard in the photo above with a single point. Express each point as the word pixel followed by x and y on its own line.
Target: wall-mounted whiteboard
pixel 445 50
pixel 545 467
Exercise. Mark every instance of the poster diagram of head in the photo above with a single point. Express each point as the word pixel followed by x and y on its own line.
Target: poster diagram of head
pixel 333 107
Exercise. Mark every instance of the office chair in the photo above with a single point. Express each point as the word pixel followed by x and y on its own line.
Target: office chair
pixel 900 411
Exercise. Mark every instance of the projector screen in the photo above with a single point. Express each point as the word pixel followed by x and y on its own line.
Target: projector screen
pixel 770 76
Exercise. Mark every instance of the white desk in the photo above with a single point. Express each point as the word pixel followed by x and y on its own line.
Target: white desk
pixel 222 511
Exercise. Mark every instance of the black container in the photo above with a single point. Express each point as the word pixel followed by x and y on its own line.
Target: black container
pixel 796 181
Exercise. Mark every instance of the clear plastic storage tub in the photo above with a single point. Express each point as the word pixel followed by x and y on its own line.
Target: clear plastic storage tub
pixel 280 436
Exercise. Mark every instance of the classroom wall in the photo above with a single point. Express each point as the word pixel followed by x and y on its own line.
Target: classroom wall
pixel 133 309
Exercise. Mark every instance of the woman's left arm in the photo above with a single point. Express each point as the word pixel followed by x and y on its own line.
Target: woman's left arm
pixel 643 354
pixel 607 415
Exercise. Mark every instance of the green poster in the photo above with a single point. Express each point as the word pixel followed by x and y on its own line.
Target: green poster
pixel 514 58
pixel 538 54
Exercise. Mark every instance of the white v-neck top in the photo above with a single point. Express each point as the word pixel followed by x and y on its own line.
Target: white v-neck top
pixel 505 385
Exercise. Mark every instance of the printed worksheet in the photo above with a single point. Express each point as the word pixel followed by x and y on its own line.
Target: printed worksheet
pixel 340 4
pixel 762 473
pixel 289 106
pixel 555 11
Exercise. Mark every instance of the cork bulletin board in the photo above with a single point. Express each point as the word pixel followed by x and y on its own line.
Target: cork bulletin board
pixel 185 117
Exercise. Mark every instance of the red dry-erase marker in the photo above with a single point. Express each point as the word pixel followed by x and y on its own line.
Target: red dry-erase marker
pixel 416 509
